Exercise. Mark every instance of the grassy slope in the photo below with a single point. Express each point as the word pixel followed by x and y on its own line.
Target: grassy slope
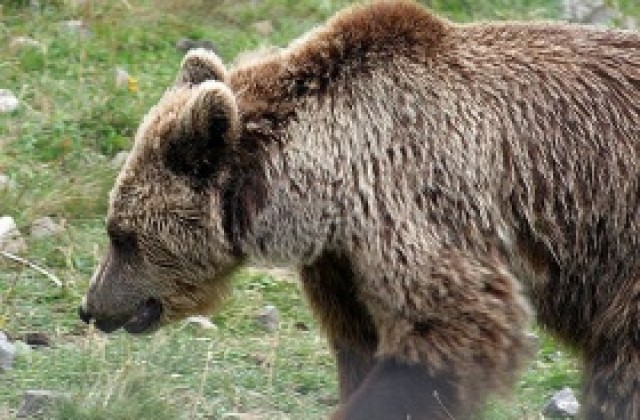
pixel 57 149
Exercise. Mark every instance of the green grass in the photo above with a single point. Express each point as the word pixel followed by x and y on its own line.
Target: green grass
pixel 57 148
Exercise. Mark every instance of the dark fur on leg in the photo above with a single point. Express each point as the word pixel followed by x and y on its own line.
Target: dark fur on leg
pixel 329 285
pixel 612 384
pixel 396 390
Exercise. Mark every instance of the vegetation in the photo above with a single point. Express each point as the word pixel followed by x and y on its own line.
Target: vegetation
pixel 57 149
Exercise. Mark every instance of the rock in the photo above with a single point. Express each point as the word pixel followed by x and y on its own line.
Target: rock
pixel 7 353
pixel 119 159
pixel 263 27
pixel 122 77
pixel 8 101
pixel 10 238
pixel 37 339
pixel 6 183
pixel 39 403
pixel 45 227
pixel 562 404
pixel 269 318
pixel 186 44
pixel 201 321
pixel 23 42
pixel 76 27
pixel 594 12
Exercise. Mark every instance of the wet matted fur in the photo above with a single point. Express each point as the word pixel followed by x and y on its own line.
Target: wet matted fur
pixel 437 184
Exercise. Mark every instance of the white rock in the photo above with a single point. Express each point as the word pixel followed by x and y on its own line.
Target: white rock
pixel 6 183
pixel 7 353
pixel 22 42
pixel 8 101
pixel 119 159
pixel 10 238
pixel 201 321
pixel 45 227
pixel 562 404
pixel 122 77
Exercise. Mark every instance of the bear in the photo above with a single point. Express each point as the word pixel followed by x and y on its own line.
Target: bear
pixel 439 187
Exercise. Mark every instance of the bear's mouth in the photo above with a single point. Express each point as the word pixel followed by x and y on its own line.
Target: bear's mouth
pixel 145 319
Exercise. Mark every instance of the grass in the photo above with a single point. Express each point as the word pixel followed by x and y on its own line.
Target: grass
pixel 57 148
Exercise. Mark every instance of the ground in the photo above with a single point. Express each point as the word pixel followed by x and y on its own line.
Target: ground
pixel 57 149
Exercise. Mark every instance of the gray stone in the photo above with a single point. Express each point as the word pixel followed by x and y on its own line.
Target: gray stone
pixel 562 404
pixel 122 77
pixel 10 238
pixel 269 318
pixel 24 42
pixel 6 183
pixel 7 353
pixel 76 27
pixel 263 27
pixel 38 403
pixel 8 101
pixel 593 12
pixel 45 227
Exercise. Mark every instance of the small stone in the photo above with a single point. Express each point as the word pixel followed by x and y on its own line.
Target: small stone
pixel 23 42
pixel 39 403
pixel 119 159
pixel 186 44
pixel 122 77
pixel 268 318
pixel 8 101
pixel 10 238
pixel 562 404
pixel 76 27
pixel 45 227
pixel 201 321
pixel 7 353
pixel 6 183
pixel 37 339
pixel 594 12
pixel 263 27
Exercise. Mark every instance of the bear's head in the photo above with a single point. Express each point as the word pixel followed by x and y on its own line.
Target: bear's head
pixel 168 248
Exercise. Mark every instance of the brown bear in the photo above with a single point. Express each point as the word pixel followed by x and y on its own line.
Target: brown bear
pixel 438 185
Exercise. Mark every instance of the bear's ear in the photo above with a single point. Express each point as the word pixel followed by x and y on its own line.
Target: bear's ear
pixel 206 129
pixel 200 65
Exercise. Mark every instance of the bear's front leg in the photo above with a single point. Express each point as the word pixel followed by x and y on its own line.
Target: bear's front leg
pixel 446 340
pixel 612 379
pixel 330 286
pixel 399 390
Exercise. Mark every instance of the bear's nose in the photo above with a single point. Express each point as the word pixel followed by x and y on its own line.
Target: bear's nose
pixel 84 315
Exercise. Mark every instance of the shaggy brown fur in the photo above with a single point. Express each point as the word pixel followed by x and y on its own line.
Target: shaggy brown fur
pixel 432 181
